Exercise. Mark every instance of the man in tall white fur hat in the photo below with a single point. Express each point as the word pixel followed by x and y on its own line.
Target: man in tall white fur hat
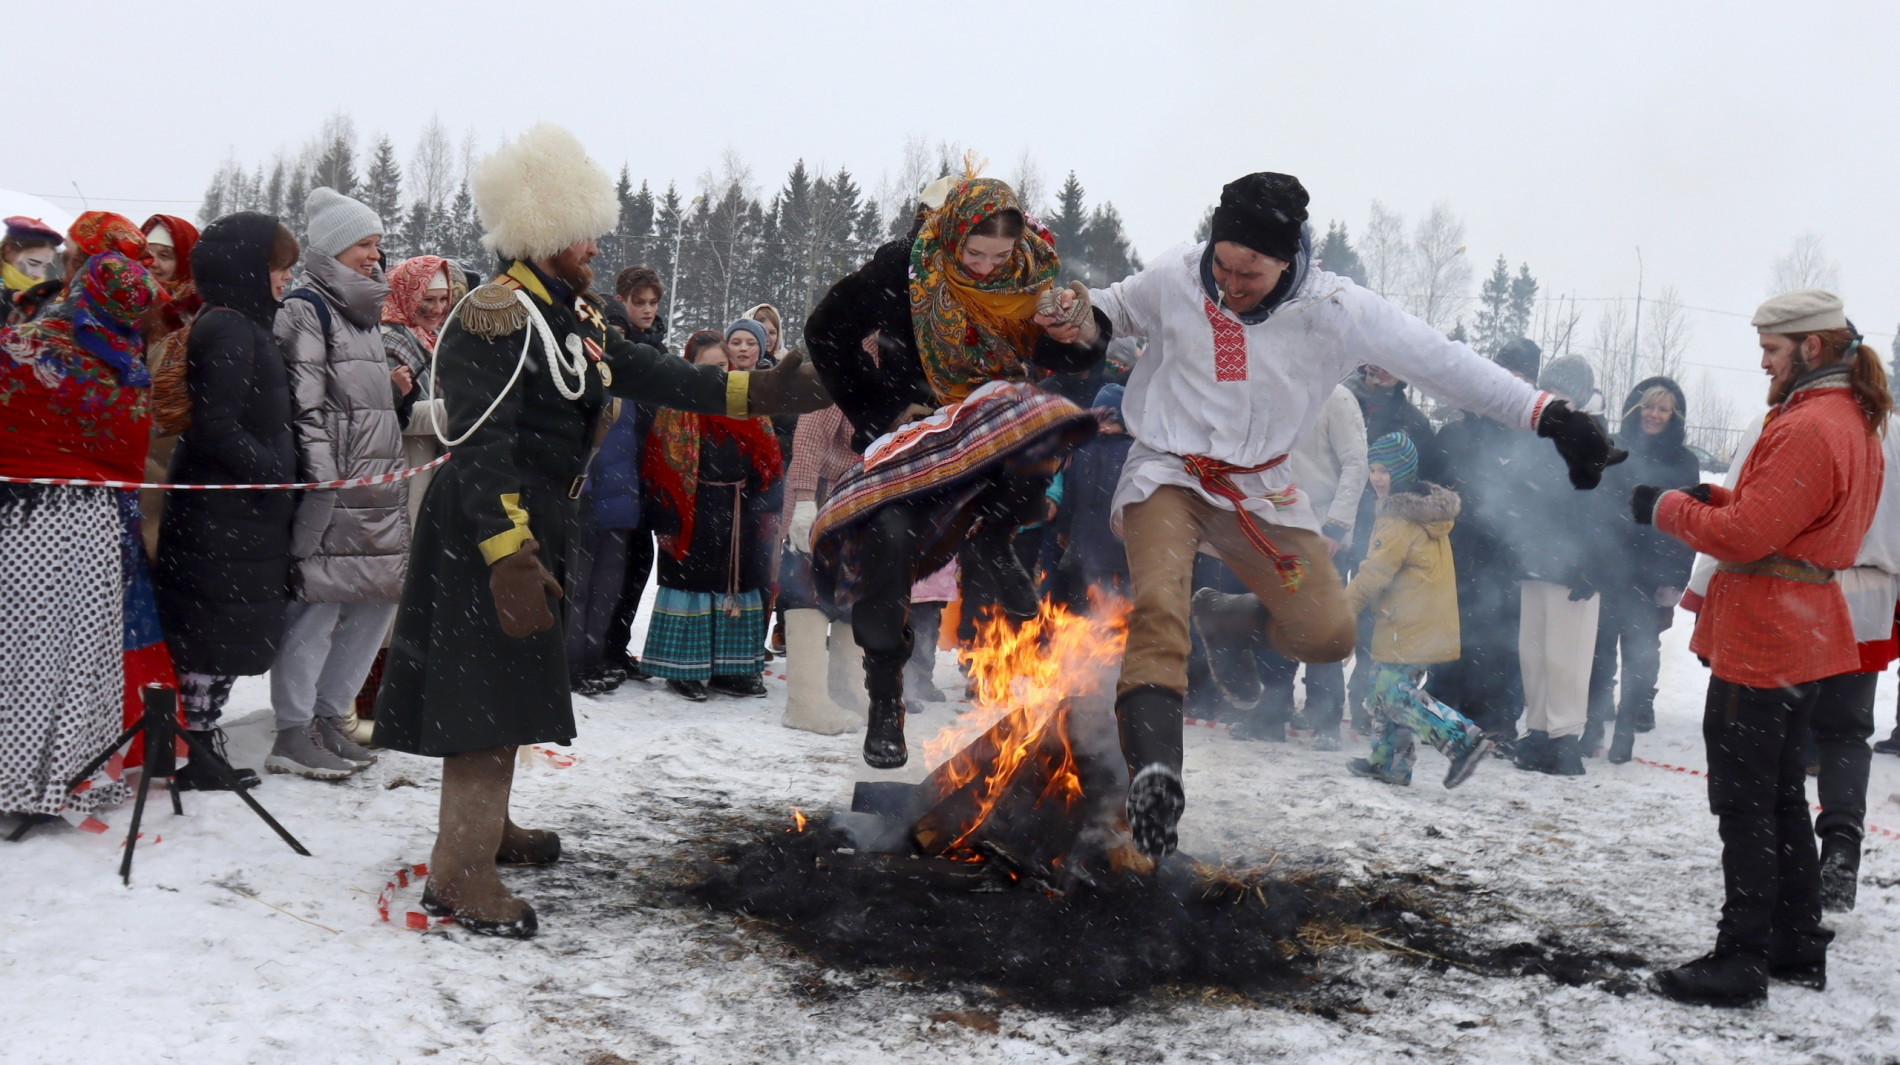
pixel 528 367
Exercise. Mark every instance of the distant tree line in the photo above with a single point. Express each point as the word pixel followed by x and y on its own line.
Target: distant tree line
pixel 721 251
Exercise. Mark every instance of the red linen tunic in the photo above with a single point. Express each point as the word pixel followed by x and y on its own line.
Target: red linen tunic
pixel 1807 492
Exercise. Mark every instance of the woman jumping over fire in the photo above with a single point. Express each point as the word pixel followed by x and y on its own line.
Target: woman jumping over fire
pixel 943 326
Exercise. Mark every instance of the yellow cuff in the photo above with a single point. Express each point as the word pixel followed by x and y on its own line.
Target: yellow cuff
pixel 501 545
pixel 738 384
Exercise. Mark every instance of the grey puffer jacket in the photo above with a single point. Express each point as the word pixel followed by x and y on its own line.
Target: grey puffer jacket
pixel 351 544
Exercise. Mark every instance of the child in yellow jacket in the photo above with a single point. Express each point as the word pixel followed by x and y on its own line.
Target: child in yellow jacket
pixel 1408 581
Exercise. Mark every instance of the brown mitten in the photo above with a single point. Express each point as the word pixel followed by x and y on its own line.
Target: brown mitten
pixel 791 387
pixel 521 586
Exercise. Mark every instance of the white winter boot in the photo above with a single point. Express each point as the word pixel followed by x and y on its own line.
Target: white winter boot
pixel 845 672
pixel 807 705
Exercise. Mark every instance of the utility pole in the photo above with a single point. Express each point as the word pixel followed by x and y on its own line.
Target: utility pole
pixel 1636 331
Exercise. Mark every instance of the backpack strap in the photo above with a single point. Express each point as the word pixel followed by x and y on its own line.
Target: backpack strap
pixel 323 308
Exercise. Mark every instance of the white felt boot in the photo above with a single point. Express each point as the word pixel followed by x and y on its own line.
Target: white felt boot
pixel 807 704
pixel 845 673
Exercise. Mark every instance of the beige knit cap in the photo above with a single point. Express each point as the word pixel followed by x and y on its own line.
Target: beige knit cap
pixel 1806 310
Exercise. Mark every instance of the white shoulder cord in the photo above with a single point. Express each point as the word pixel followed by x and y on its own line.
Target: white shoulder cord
pixel 578 368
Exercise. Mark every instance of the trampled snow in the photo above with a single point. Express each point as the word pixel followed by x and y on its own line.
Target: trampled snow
pixel 229 948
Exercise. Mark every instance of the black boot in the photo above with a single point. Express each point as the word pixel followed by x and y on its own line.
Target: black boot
pixel 1565 757
pixel 1149 719
pixel 1229 627
pixel 884 734
pixel 694 690
pixel 994 552
pixel 199 774
pixel 1890 745
pixel 1623 743
pixel 1592 740
pixel 1532 752
pixel 1717 979
pixel 1840 872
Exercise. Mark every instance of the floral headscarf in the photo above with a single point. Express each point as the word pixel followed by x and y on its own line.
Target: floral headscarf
pixel 972 331
pixel 102 231
pixel 181 292
pixel 408 283
pixel 112 293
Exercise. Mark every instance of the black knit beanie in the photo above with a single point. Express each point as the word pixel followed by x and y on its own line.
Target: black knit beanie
pixel 1522 357
pixel 1264 212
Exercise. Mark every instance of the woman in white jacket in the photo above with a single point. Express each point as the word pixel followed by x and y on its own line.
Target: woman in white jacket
pixel 1246 339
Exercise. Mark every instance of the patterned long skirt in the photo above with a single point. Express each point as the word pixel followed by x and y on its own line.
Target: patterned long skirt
pixel 694 636
pixel 63 629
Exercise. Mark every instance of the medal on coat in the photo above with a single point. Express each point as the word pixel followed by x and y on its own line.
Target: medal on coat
pixel 585 347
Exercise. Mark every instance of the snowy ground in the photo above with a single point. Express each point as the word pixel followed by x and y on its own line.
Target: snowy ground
pixel 229 948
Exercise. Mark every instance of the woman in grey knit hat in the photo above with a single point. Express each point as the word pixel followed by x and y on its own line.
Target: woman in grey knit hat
pixel 350 546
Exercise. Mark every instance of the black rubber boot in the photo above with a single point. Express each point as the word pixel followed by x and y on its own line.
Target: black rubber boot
pixel 1149 719
pixel 1840 872
pixel 1717 979
pixel 1230 627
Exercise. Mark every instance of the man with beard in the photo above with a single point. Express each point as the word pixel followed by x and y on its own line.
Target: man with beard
pixel 526 363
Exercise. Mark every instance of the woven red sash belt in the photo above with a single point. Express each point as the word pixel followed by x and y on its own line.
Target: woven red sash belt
pixel 1217 478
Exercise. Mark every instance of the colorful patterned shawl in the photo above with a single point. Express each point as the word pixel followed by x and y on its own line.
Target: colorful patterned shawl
pixel 670 463
pixel 969 331
pixel 408 283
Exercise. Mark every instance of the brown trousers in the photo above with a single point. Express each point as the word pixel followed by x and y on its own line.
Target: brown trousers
pixel 1163 534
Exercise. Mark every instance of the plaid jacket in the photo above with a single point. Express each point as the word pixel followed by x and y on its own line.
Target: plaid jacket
pixel 1807 492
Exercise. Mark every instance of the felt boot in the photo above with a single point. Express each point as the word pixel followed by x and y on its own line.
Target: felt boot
pixel 463 882
pixel 808 702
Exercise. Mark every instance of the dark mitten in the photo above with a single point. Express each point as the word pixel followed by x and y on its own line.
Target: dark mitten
pixel 1643 499
pixel 1701 492
pixel 521 586
pixel 791 387
pixel 1582 443
pixel 1581 587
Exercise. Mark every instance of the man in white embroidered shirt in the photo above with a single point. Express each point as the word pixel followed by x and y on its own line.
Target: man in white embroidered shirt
pixel 1246 338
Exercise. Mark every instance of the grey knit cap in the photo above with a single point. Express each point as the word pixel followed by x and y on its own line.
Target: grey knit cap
pixel 336 221
pixel 757 329
pixel 1570 377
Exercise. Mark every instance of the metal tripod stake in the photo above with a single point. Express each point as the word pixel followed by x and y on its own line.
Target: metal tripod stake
pixel 159 723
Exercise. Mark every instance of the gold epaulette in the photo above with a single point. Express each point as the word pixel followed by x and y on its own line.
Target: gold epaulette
pixel 492 311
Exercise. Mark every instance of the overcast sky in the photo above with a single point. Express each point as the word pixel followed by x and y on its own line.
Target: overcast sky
pixel 1711 135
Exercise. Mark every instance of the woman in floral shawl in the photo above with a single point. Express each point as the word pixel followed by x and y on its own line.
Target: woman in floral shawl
pixel 707 480
pixel 73 403
pixel 422 289
pixel 944 325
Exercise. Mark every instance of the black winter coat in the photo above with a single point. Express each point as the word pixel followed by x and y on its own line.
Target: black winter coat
pixel 876 298
pixel 223 569
pixel 1648 559
pixel 707 565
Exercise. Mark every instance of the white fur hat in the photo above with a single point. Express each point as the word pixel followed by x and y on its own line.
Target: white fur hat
pixel 541 193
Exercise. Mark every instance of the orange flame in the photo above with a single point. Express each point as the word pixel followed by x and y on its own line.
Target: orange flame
pixel 1024 676
pixel 798 820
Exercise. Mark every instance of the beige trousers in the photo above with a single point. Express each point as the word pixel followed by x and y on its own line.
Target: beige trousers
pixel 1165 531
pixel 1556 644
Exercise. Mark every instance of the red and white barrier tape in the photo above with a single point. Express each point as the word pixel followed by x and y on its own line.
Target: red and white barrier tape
pixel 1872 828
pixel 354 482
pixel 401 879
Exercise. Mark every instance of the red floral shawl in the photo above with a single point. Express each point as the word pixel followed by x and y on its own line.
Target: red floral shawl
pixel 670 465
pixel 184 302
pixel 408 283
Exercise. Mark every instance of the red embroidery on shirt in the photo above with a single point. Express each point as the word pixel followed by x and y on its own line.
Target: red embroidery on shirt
pixel 1230 344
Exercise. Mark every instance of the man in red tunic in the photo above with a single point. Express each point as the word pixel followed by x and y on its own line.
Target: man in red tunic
pixel 1773 626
